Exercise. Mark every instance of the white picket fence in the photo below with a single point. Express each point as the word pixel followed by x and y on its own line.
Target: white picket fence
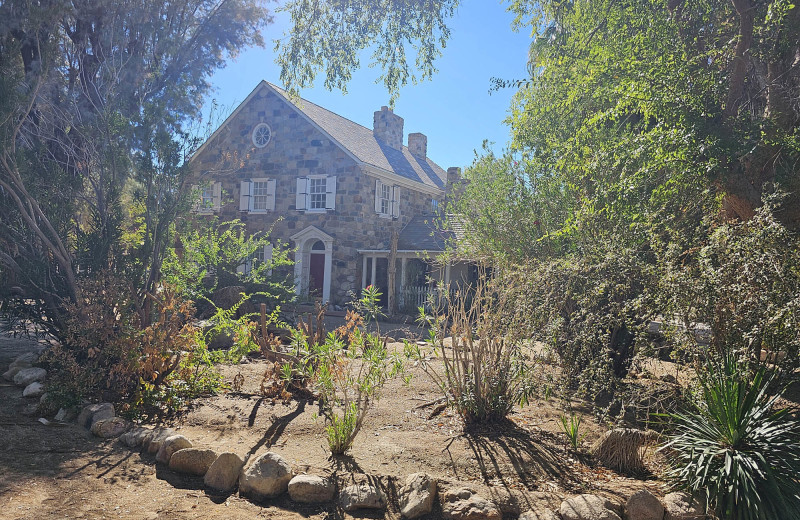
pixel 410 298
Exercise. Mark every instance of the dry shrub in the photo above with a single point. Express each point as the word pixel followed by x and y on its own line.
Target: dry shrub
pixel 486 369
pixel 623 449
pixel 108 354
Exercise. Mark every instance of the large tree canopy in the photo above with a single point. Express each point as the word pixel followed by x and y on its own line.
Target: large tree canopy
pixel 94 98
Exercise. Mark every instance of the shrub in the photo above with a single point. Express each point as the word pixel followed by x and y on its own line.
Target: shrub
pixel 572 429
pixel 106 353
pixel 485 369
pixel 736 447
pixel 745 284
pixel 348 371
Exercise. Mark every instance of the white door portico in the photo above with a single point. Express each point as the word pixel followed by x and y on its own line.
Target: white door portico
pixel 307 242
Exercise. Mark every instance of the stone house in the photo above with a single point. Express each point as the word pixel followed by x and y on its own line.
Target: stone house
pixel 338 193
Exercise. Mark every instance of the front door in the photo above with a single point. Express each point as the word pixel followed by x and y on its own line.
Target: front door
pixel 316 275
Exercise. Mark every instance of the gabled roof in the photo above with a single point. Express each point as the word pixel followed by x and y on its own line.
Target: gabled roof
pixel 357 140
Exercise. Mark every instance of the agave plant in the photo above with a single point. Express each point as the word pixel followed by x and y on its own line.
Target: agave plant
pixel 736 447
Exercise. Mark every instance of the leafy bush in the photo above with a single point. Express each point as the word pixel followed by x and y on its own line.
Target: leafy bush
pixel 736 447
pixel 745 284
pixel 348 371
pixel 486 371
pixel 217 254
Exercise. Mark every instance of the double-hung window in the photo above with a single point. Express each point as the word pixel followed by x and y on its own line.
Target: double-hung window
pixel 209 197
pixel 316 193
pixel 387 199
pixel 257 195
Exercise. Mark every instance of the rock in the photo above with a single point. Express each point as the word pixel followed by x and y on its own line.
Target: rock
pixel 545 514
pixel 170 446
pixel 133 438
pixel 361 496
pixel 194 461
pixel 463 504
pixel 643 505
pixel 417 495
pixel 224 472
pixel 110 428
pixel 587 507
pixel 268 476
pixel 681 506
pixel 27 376
pixel 157 439
pixel 311 489
pixel 35 389
pixel 30 410
pixel 95 412
pixel 28 358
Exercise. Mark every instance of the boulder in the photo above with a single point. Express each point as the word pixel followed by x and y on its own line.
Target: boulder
pixel 223 474
pixel 20 363
pixel 268 476
pixel 362 496
pixel 417 495
pixel 643 505
pixel 587 507
pixel 193 461
pixel 544 514
pixel 311 489
pixel 682 506
pixel 170 446
pixel 27 376
pixel 95 412
pixel 35 389
pixel 133 438
pixel 157 439
pixel 110 428
pixel 464 504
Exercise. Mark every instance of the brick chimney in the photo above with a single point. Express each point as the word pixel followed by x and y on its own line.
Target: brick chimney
pixel 388 127
pixel 418 144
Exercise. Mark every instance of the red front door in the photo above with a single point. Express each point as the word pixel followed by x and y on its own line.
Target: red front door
pixel 316 274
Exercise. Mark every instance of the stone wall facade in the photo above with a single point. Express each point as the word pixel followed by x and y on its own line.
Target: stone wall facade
pixel 298 149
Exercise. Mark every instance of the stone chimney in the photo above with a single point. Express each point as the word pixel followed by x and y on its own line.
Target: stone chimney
pixel 418 144
pixel 388 127
pixel 453 175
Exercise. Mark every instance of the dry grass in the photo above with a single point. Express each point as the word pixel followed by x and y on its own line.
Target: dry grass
pixel 623 450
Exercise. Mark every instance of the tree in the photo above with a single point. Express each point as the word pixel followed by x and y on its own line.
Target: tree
pixel 329 35
pixel 95 100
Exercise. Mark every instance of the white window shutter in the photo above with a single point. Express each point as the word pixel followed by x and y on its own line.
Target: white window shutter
pixel 271 196
pixel 395 201
pixel 378 185
pixel 217 196
pixel 244 196
pixel 241 268
pixel 302 194
pixel 330 193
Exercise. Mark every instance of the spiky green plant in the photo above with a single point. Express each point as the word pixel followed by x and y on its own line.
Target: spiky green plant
pixel 734 446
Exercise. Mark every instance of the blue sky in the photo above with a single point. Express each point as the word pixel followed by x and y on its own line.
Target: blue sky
pixel 454 109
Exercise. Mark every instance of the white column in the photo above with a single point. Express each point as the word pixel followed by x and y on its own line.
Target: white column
pixel 447 273
pixel 364 273
pixel 326 287
pixel 298 269
pixel 403 272
pixel 374 268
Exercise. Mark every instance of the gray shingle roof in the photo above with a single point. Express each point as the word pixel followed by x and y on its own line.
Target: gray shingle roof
pixel 361 142
pixel 424 233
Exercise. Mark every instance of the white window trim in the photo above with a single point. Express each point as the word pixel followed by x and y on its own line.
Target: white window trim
pixel 255 130
pixel 247 199
pixel 247 266
pixel 303 195
pixel 216 198
pixel 393 202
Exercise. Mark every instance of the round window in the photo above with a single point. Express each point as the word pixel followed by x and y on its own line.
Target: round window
pixel 261 135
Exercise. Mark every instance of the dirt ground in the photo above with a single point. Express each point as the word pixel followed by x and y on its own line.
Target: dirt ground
pixel 62 471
